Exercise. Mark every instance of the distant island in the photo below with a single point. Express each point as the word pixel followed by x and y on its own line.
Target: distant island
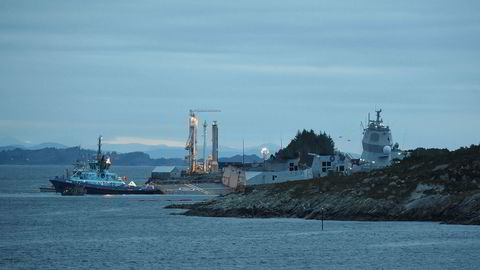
pixel 68 156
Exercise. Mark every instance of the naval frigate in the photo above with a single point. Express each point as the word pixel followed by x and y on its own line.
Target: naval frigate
pixel 378 147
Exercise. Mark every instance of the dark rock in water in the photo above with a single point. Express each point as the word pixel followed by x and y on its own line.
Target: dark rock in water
pixel 394 193
pixel 47 189
pixel 179 206
pixel 74 191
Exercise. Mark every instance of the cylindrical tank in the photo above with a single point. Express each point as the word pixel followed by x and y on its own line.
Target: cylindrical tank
pixel 215 141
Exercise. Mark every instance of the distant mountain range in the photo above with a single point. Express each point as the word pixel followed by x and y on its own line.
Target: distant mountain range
pixel 59 154
pixel 14 151
pixel 164 151
pixel 67 156
pixel 122 154
pixel 240 158
pixel 155 151
pixel 33 147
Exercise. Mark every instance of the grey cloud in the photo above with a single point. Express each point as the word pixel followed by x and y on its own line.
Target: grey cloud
pixel 272 66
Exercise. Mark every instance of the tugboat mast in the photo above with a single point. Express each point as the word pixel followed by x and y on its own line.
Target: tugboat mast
pixel 99 152
pixel 101 164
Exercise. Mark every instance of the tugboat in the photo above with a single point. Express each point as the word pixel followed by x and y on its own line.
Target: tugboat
pixel 97 179
pixel 378 147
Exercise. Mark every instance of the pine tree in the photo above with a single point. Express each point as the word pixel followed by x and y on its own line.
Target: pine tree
pixel 307 142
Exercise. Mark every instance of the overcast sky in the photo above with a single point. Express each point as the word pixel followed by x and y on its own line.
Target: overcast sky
pixel 131 70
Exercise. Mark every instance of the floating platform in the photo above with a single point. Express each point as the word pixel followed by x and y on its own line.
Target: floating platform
pixel 47 189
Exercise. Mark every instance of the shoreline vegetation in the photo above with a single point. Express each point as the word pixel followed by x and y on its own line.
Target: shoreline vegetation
pixel 430 185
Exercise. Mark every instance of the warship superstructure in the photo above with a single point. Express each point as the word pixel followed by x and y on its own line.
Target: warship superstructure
pixel 378 147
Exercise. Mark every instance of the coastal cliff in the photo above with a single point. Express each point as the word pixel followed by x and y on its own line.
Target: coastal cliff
pixel 430 185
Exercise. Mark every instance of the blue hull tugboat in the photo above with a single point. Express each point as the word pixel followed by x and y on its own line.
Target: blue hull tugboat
pixel 96 179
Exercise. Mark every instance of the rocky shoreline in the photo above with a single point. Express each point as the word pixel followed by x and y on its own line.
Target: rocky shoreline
pixel 431 185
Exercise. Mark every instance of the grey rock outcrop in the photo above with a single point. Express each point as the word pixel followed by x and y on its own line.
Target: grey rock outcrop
pixel 442 187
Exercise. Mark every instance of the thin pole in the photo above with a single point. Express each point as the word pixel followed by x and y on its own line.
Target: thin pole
pixel 323 210
pixel 243 153
pixel 243 167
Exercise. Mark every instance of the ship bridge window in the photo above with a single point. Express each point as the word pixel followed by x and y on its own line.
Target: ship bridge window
pixel 374 137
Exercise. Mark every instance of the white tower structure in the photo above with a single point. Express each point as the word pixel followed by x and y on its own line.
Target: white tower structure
pixel 264 153
pixel 191 145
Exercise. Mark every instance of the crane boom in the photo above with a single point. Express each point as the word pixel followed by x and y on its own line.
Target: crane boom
pixel 192 112
pixel 205 110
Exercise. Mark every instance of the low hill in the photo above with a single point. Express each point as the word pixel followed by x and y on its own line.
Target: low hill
pixel 430 185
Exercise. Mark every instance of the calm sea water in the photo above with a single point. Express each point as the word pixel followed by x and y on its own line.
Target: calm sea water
pixel 48 231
